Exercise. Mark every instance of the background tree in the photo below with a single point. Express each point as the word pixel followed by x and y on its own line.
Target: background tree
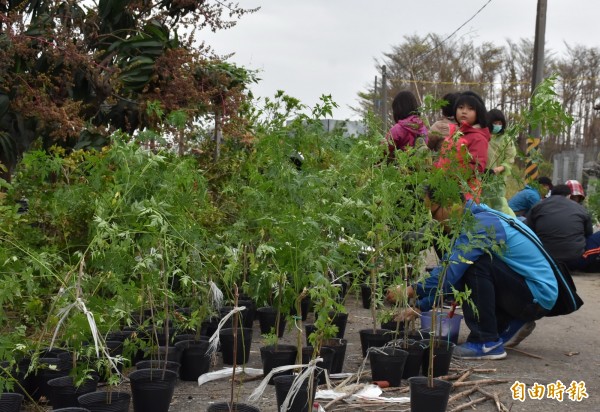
pixel 73 72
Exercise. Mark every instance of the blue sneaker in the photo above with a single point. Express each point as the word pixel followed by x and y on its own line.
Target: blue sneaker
pixel 487 350
pixel 517 331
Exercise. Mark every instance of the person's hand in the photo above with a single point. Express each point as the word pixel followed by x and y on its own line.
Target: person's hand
pixel 399 294
pixel 408 314
pixel 489 172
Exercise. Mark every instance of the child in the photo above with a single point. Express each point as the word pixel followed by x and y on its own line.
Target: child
pixel 466 152
pixel 444 127
pixel 501 155
pixel 408 128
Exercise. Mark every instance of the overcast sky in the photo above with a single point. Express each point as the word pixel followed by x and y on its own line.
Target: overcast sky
pixel 312 47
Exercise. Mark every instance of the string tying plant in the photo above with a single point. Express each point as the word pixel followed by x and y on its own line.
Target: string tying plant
pixel 213 342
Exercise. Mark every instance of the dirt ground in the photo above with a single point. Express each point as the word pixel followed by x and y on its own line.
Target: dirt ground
pixel 562 348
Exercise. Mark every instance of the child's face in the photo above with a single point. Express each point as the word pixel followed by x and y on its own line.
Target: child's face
pixel 466 113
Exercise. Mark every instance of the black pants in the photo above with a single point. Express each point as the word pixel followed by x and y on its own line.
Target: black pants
pixel 500 295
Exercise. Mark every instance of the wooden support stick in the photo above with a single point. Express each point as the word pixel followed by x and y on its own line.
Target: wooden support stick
pixel 494 396
pixel 475 370
pixel 468 404
pixel 481 382
pixel 531 355
pixel 464 376
pixel 462 394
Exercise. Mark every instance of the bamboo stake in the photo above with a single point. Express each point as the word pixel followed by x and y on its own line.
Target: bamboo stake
pixel 481 382
pixel 464 376
pixel 494 396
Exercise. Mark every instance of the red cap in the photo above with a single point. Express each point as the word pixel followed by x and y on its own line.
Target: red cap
pixel 576 188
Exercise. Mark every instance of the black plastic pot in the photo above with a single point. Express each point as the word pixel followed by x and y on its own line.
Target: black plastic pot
pixel 340 320
pixel 10 402
pixel 115 348
pixel 170 353
pixel 152 390
pixel 377 339
pixel 304 305
pixel 249 314
pixel 442 356
pixel 415 349
pixel 71 409
pixel 244 341
pixel 339 355
pixel 236 407
pixel 365 295
pixel 63 393
pixel 242 317
pixel 301 401
pixel 194 361
pixel 387 364
pixel 189 336
pixel 426 399
pixel 274 357
pixel 308 330
pixel 159 365
pixel 327 354
pixel 101 401
pixel 16 374
pixel 53 363
pixel 267 317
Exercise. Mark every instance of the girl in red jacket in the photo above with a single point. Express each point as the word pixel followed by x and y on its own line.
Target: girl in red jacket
pixel 465 153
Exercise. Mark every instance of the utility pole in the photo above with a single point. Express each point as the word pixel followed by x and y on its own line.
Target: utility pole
pixel 531 171
pixel 384 98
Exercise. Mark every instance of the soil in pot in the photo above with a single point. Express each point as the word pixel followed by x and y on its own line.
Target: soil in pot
pixel 194 361
pixel 377 339
pixel 266 319
pixel 339 348
pixel 426 399
pixel 387 364
pixel 274 356
pixel 152 390
pixel 301 401
pixel 10 402
pixel 235 407
pixel 159 365
pixel 327 354
pixel 442 356
pixel 101 401
pixel 415 349
pixel 244 341
pixel 63 392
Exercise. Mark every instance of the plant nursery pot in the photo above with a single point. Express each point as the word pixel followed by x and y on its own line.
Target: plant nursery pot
pixel 159 365
pixel 365 295
pixel 445 326
pixel 242 315
pixel 340 320
pixel 194 361
pixel 71 409
pixel 249 314
pixel 327 354
pixel 274 357
pixel 377 339
pixel 339 353
pixel 394 326
pixel 308 330
pixel 426 399
pixel 304 305
pixel 244 341
pixel 10 402
pixel 17 374
pixel 53 364
pixel 387 364
pixel 235 407
pixel 442 356
pixel 189 336
pixel 63 392
pixel 267 317
pixel 301 401
pixel 171 353
pixel 415 349
pixel 152 390
pixel 104 401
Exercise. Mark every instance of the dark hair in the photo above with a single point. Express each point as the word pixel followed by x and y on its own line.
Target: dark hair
pixel 476 102
pixel 544 180
pixel 448 108
pixel 561 190
pixel 495 115
pixel 442 197
pixel 404 104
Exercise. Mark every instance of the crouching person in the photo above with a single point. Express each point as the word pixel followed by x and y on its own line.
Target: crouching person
pixel 512 284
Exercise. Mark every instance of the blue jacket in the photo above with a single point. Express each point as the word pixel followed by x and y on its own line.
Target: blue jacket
pixel 524 200
pixel 490 234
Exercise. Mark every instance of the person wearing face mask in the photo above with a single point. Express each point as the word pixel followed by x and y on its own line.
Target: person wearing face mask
pixel 501 156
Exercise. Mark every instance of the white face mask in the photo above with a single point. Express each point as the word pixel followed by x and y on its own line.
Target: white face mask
pixel 496 128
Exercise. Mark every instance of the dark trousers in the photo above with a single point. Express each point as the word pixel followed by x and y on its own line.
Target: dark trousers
pixel 499 295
